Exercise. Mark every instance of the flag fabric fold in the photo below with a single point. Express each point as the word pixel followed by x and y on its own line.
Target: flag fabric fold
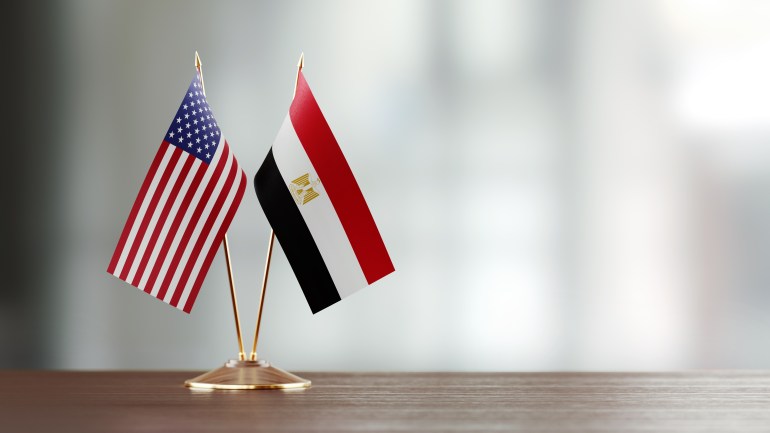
pixel 183 209
pixel 315 206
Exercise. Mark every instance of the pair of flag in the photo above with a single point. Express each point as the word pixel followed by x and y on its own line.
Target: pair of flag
pixel 194 188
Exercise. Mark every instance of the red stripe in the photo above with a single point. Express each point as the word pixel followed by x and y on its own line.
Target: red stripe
pixel 150 212
pixel 201 240
pixel 187 235
pixel 330 164
pixel 214 246
pixel 184 206
pixel 135 209
pixel 162 219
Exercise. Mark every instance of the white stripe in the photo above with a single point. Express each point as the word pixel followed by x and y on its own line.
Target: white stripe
pixel 182 227
pixel 142 210
pixel 142 251
pixel 319 214
pixel 198 228
pixel 212 235
pixel 170 218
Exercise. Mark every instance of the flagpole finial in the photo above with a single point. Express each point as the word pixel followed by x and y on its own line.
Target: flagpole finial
pixel 200 71
pixel 300 65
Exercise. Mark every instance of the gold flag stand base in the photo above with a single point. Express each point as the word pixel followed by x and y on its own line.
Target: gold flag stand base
pixel 247 375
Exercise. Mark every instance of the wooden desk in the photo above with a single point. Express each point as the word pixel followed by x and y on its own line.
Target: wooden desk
pixel 409 402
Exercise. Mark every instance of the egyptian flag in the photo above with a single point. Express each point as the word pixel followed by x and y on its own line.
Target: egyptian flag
pixel 316 208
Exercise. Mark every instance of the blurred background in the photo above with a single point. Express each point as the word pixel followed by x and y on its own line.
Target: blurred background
pixel 562 185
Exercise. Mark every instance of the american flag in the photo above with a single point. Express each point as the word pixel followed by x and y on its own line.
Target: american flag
pixel 183 209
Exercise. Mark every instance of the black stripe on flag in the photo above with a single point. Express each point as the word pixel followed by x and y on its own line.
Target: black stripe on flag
pixel 296 241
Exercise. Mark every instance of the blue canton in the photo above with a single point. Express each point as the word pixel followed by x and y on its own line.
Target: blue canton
pixel 194 128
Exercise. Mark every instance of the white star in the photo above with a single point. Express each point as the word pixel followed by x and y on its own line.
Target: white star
pixel 190 94
pixel 196 130
pixel 181 139
pixel 195 121
pixel 204 127
pixel 171 134
pixel 179 129
pixel 213 144
pixel 178 119
pixel 208 156
pixel 186 116
pixel 192 103
pixel 206 146
pixel 189 135
pixel 185 106
pixel 189 144
pixel 188 125
pixel 202 119
pixel 194 113
pixel 199 150
pixel 205 136
pixel 197 140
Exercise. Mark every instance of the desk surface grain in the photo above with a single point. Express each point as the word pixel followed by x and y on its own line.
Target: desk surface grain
pixel 713 401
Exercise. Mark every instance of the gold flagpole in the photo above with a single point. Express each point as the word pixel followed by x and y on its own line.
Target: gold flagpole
pixel 241 354
pixel 270 243
pixel 253 355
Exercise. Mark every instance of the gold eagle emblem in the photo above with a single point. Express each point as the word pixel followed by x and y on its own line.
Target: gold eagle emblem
pixel 302 189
